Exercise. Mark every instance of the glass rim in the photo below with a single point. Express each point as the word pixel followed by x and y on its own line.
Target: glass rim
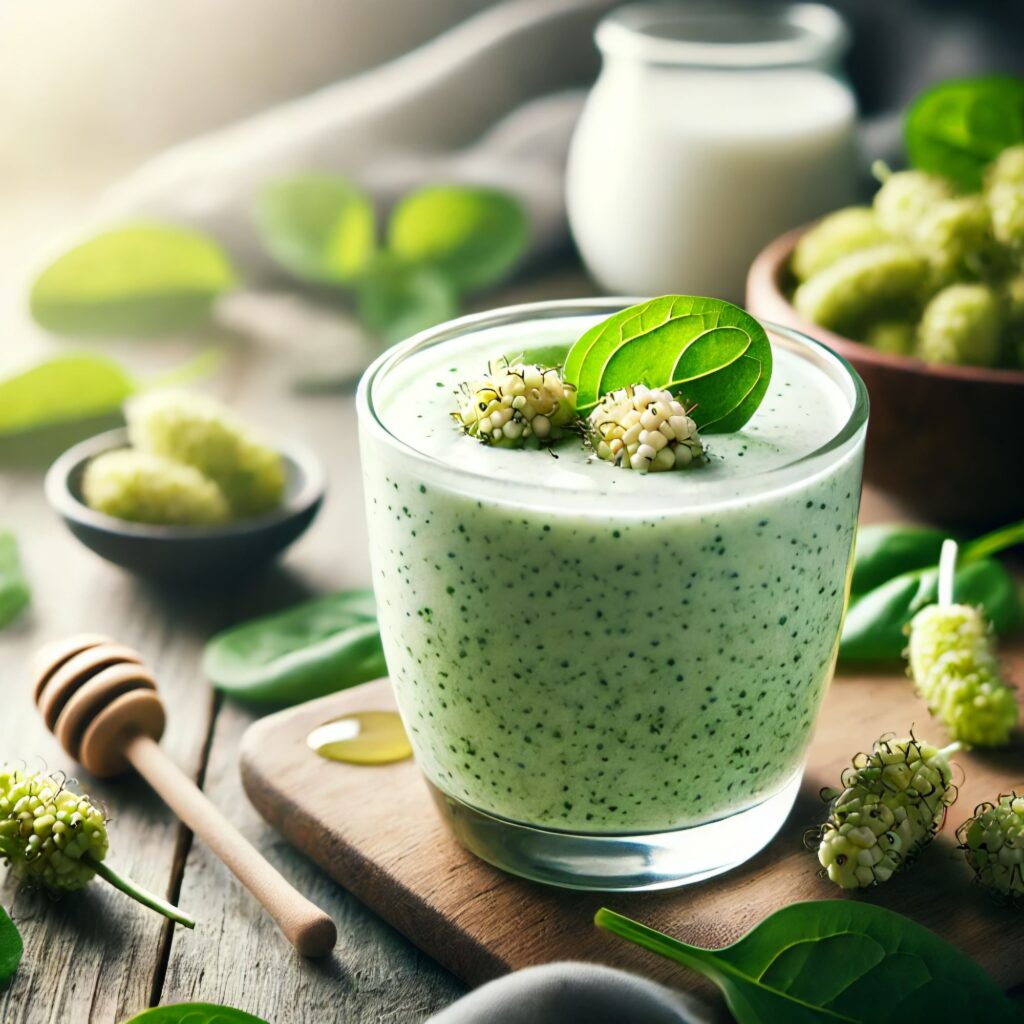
pixel 638 31
pixel 707 495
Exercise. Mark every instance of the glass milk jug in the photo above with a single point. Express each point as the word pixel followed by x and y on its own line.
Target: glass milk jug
pixel 710 131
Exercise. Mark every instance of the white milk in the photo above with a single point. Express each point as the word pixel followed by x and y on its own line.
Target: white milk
pixel 705 137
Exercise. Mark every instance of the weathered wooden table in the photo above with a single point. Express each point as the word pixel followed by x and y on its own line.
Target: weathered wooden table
pixel 96 956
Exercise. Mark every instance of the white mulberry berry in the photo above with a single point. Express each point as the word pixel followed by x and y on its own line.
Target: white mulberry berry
pixel 643 429
pixel 953 664
pixel 892 804
pixel 47 832
pixel 961 324
pixel 199 431
pixel 146 488
pixel 516 403
pixel 993 842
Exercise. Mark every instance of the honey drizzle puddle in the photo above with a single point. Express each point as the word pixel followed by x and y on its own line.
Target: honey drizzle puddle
pixel 362 737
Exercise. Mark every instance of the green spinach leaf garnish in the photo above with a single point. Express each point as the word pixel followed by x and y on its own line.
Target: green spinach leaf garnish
pixel 714 356
pixel 958 127
pixel 835 960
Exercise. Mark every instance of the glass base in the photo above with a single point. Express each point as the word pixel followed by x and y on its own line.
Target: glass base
pixel 618 863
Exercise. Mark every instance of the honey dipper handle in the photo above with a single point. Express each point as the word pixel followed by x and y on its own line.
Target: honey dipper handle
pixel 304 924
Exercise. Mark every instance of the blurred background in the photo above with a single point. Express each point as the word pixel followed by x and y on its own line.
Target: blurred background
pixel 89 91
pixel 184 113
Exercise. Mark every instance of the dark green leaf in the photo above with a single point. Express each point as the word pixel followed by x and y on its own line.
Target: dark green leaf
pixel 712 354
pixel 835 960
pixel 11 948
pixel 310 650
pixel 473 236
pixel 195 1013
pixel 138 280
pixel 319 228
pixel 397 300
pixel 14 590
pixel 885 551
pixel 875 626
pixel 958 127
pixel 61 390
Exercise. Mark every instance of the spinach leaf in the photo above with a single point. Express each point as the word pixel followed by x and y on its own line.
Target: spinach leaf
pixel 875 627
pixel 310 650
pixel 61 390
pixel 319 228
pixel 11 949
pixel 137 280
pixel 72 389
pixel 960 126
pixel 194 1013
pixel 472 236
pixel 14 590
pixel 712 354
pixel 895 575
pixel 396 300
pixel 884 551
pixel 835 960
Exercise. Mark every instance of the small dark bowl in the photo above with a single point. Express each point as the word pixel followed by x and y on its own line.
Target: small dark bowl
pixel 182 554
pixel 944 440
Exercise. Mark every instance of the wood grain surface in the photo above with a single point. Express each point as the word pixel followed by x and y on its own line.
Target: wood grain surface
pixel 376 831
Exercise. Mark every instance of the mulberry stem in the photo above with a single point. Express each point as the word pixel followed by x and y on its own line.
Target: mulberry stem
pixel 129 888
pixel 947 571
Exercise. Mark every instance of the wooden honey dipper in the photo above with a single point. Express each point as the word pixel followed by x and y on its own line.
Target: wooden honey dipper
pixel 100 701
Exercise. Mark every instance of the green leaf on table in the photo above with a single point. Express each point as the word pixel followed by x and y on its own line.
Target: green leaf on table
pixel 318 227
pixel 473 236
pixel 11 949
pixel 835 960
pixel 310 650
pixel 958 127
pixel 60 390
pixel 887 550
pixel 713 355
pixel 14 589
pixel 875 626
pixel 396 300
pixel 73 388
pixel 195 1013
pixel 138 280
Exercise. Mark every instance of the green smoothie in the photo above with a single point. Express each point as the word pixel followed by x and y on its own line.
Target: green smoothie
pixel 585 648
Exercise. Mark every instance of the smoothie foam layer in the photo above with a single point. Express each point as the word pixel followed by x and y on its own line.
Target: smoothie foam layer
pixel 580 647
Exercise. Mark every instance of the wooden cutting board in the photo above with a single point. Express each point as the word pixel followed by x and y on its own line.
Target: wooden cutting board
pixel 375 830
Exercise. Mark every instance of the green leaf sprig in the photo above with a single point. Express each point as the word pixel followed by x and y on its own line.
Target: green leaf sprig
pixel 441 242
pixel 11 949
pixel 896 574
pixel 310 650
pixel 136 280
pixel 194 1013
pixel 834 960
pixel 714 356
pixel 958 127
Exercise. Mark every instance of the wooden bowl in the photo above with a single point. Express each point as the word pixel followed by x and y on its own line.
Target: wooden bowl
pixel 946 441
pixel 186 554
